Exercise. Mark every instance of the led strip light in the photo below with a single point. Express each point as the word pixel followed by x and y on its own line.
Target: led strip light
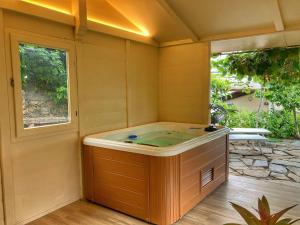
pixel 142 32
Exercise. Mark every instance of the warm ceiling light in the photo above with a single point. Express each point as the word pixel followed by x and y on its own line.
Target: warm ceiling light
pixel 142 32
pixel 47 6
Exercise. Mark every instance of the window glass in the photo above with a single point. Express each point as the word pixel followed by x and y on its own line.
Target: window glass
pixel 45 94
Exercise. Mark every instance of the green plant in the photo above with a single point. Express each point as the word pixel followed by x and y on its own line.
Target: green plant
pixel 220 92
pixel 219 88
pixel 286 96
pixel 44 69
pixel 279 122
pixel 265 216
pixel 240 119
pixel 278 72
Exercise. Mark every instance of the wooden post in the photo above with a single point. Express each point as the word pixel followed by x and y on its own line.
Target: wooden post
pixel 80 13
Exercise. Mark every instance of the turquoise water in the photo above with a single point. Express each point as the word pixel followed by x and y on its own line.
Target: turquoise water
pixel 162 138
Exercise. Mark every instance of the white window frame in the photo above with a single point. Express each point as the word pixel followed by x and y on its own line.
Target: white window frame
pixel 55 43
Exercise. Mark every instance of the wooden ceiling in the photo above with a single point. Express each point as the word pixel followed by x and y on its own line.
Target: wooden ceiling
pixel 272 40
pixel 166 22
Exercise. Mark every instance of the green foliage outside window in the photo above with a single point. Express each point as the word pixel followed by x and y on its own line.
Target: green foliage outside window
pixel 44 69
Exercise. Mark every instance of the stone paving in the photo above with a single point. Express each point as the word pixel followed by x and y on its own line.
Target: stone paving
pixel 277 161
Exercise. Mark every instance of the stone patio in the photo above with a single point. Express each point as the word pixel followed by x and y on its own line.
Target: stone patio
pixel 278 162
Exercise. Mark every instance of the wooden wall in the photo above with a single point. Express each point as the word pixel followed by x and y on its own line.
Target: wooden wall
pixel 40 173
pixel 118 86
pixel 43 173
pixel 184 72
pixel 4 117
pixel 102 85
pixel 142 83
pixel 118 83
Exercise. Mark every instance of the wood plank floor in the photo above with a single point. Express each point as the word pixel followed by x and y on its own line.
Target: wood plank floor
pixel 214 210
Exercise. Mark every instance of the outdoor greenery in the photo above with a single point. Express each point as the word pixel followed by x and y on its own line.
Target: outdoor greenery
pixel 280 123
pixel 219 91
pixel 265 216
pixel 278 72
pixel 44 69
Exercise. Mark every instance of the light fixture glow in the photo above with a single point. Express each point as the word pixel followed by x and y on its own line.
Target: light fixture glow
pixel 142 32
pixel 47 6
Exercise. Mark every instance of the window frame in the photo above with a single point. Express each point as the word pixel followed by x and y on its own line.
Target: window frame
pixel 15 40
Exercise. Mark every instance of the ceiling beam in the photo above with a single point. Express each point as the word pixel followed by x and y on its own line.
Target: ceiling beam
pixel 239 34
pixel 292 27
pixel 79 22
pixel 34 10
pixel 166 7
pixel 98 27
pixel 276 15
pixel 178 42
pixel 80 13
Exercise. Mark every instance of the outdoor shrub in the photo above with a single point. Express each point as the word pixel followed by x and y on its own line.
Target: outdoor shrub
pixel 240 119
pixel 280 122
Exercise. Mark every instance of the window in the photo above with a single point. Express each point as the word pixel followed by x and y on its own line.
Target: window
pixel 43 84
pixel 44 77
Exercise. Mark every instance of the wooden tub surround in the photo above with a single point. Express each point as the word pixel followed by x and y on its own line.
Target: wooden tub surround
pixel 157 189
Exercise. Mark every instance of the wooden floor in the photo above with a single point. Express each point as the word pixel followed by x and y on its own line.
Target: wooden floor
pixel 214 210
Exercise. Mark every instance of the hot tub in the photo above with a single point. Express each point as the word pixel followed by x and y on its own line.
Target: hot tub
pixel 156 139
pixel 156 172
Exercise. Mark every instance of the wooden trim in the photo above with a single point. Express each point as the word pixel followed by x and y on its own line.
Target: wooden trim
pixel 239 34
pixel 276 14
pixel 292 27
pixel 80 12
pixel 209 83
pixel 2 213
pixel 16 38
pixel 94 26
pixel 88 173
pixel 6 153
pixel 248 33
pixel 227 157
pixel 173 43
pixel 127 63
pixel 165 6
pixel 37 11
pixel 165 189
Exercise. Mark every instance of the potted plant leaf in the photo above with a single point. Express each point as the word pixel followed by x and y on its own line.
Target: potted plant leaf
pixel 265 216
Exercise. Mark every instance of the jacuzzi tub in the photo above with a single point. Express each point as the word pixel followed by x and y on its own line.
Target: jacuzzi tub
pixel 156 139
pixel 165 171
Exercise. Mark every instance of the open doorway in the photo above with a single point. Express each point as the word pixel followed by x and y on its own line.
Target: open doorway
pixel 260 89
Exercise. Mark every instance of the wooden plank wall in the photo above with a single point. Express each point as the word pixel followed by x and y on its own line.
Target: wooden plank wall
pixel 184 81
pixel 30 165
